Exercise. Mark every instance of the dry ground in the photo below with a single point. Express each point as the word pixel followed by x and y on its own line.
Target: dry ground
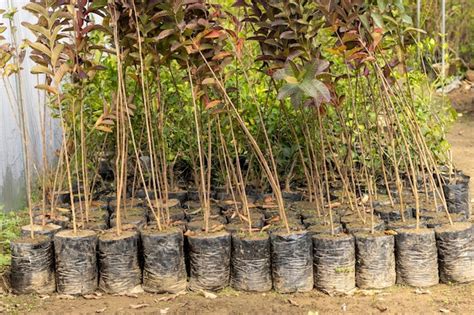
pixel 438 299
pixel 461 135
pixel 396 300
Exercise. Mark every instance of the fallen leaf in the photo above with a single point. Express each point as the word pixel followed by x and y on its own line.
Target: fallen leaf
pixel 164 310
pixel 188 233
pixel 293 302
pixel 422 291
pixel 138 306
pixel 216 228
pixel 208 295
pixel 208 81
pixel 313 313
pixel 267 199
pixel 44 297
pixel 101 310
pixel 381 308
pixel 91 297
pixel 344 307
pixel 65 297
pixel 170 297
pixel 364 198
pixel 369 292
pixel 137 290
pixel 443 310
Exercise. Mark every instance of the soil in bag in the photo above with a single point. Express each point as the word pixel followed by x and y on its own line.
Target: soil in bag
pixel 428 210
pixel 176 213
pixel 32 265
pixel 197 224
pixel 48 230
pixel 275 226
pixel 99 219
pixel 58 219
pixel 119 270
pixel 61 220
pixel 209 255
pixel 182 195
pixel 304 208
pixel 389 213
pixel 236 227
pixel 334 263
pixel 455 252
pixel 457 195
pixel 322 220
pixel 407 224
pixel 257 219
pixel 125 204
pixel 193 195
pixel 292 196
pixel 350 218
pixel 416 257
pixel 324 228
pixel 164 270
pixel 441 219
pixel 76 261
pixel 135 216
pixel 375 260
pixel 292 261
pixel 250 262
pixel 361 227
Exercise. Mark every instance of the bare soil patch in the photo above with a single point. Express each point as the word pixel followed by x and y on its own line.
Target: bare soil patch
pixel 399 299
pixel 461 135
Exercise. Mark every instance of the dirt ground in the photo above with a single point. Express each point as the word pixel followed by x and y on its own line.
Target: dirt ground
pixel 461 135
pixel 399 299
pixel 438 299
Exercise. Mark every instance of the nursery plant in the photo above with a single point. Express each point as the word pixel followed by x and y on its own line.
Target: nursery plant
pixel 267 124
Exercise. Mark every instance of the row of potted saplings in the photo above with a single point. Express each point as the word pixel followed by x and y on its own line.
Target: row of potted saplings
pixel 162 261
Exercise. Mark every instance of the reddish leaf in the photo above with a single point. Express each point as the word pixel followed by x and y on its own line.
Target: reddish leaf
pixel 222 55
pixel 214 34
pixel 212 104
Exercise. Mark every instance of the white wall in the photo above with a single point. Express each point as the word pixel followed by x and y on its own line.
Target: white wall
pixel 11 153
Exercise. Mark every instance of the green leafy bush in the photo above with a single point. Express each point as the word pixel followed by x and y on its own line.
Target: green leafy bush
pixel 10 223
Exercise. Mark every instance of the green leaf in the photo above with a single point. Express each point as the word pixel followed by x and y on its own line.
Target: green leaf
pixel 39 69
pixel 287 90
pixel 413 29
pixel 296 99
pixel 40 47
pixel 315 89
pixel 382 5
pixel 378 19
pixel 37 8
pixel 279 74
pixel 164 34
pixel 56 54
pixel 407 19
pixel 5 260
pixel 97 4
pixel 291 79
